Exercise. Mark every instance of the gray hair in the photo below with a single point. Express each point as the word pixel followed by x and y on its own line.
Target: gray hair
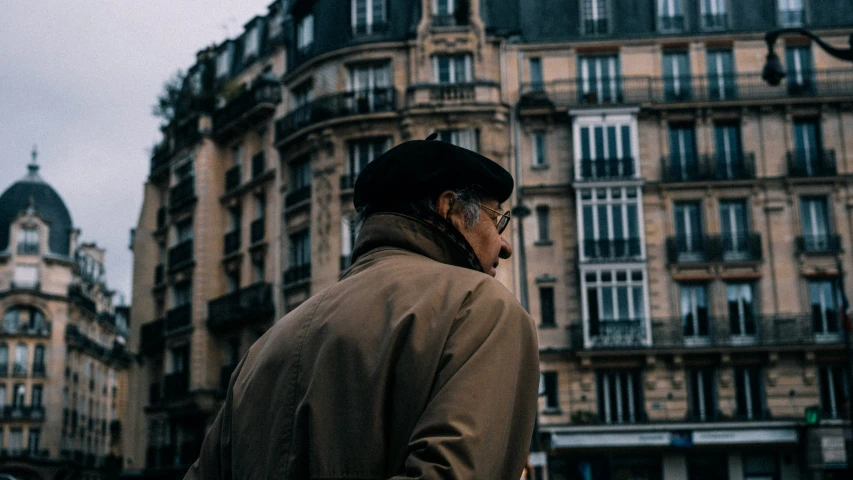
pixel 467 204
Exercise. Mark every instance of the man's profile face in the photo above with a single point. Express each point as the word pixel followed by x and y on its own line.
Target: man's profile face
pixel 483 237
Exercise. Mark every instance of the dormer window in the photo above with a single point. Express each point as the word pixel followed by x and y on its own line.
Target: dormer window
pixel 250 44
pixel 28 241
pixel 305 33
pixel 223 62
pixel 368 16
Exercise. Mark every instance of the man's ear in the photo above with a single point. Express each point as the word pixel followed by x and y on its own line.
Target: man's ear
pixel 444 204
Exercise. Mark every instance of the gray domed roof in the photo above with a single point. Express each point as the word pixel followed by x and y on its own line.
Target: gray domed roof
pixel 46 202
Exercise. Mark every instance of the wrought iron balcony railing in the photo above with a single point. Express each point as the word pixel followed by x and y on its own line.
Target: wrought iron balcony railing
pixel 248 304
pixel 77 295
pixel 256 102
pixel 679 89
pixel 607 168
pixel 617 333
pixel 811 163
pixel 232 241
pixel 714 248
pixel 182 194
pixel 611 249
pixel 693 168
pixel 826 243
pixel 178 318
pixel 258 230
pixel 338 105
pixel 181 254
pixel 715 21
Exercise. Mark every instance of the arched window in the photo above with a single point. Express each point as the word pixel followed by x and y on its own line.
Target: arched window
pixel 23 317
pixel 10 320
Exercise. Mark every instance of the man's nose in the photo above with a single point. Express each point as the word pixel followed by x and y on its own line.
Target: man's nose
pixel 506 250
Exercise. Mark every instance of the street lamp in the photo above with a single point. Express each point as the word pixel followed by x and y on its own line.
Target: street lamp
pixel 773 73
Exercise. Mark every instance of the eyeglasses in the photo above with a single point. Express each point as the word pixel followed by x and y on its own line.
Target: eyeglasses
pixel 501 219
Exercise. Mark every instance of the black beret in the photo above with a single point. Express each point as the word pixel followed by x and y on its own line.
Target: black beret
pixel 418 168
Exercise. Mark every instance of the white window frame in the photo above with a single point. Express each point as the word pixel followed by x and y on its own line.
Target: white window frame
pixel 625 384
pixel 465 137
pixel 29 239
pixel 223 61
pixel 374 147
pixel 784 6
pixel 689 304
pixel 370 9
pixel 451 7
pixel 251 43
pixel 610 203
pixel 600 285
pixel 712 7
pixel 824 302
pixel 618 119
pixel 599 63
pixel 697 390
pixel 467 76
pixel 738 288
pixel 305 32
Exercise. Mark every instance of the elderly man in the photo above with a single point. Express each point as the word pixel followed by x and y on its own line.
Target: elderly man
pixel 416 364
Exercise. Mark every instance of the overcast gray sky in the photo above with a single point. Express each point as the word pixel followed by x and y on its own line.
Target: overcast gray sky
pixel 78 79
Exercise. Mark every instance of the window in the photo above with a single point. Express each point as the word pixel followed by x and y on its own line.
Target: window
pixel 722 81
pixel 444 7
pixel 713 14
pixel 181 294
pixel 232 281
pixel 764 466
pixel 4 359
pixel 540 156
pixel 670 16
pixel 305 33
pixel 21 360
pixel 615 306
pixel 2 395
pixel 600 79
pixel 605 151
pixel 18 394
pixel 223 61
pixel 543 222
pixel 740 299
pixel 814 217
pixel 11 320
pixel 258 271
pixel 362 151
pixel 37 396
pixel 734 229
pixel 180 359
pixel 38 360
pixel 620 397
pixel 800 70
pixel 300 174
pixel 16 441
pixel 183 231
pixel 368 16
pixel 370 87
pixel 26 276
pixel 791 13
pixel 694 313
pixel 677 84
pixel 546 305
pixel 466 138
pixel 453 68
pixel 689 236
pixel 300 249
pixel 251 43
pixel 808 150
pixel 595 17
pixel 730 162
pixel 552 394
pixel 536 82
pixel 825 304
pixel 834 391
pixel 28 241
pixel 748 393
pixel 611 223
pixel 702 393
pixel 683 163
pixel 302 95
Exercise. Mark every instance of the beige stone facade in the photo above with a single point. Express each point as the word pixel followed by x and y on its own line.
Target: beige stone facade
pixel 63 359
pixel 681 255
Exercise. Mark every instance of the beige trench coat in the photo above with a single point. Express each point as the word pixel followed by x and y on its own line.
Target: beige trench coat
pixel 410 366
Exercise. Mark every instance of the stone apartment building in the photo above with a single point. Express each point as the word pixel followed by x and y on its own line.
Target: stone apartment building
pixel 63 358
pixel 681 225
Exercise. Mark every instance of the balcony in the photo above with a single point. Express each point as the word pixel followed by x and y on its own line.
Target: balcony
pixel 180 254
pixel 702 168
pixel 617 334
pixel 178 318
pixel 598 250
pixel 248 108
pixel 176 385
pixel 39 370
pixel 259 164
pixel 714 21
pixel 151 336
pixel 258 230
pixel 225 377
pixel 297 195
pixel 249 304
pixel 761 330
pixel 40 328
pixel 232 178
pixel 159 274
pixel 22 412
pixel 297 274
pixel 453 94
pixel 714 249
pixel 595 26
pixel 682 89
pixel 178 134
pixel 232 242
pixel 811 163
pixel 826 243
pixel 19 370
pixel 335 106
pixel 607 169
pixel 671 23
pixel 182 194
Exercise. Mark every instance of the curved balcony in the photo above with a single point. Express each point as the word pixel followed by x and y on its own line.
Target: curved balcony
pixel 479 92
pixel 335 106
pixel 178 318
pixel 251 106
pixel 249 304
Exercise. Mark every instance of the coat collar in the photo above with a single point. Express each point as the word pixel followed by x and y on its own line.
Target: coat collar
pixel 433 237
